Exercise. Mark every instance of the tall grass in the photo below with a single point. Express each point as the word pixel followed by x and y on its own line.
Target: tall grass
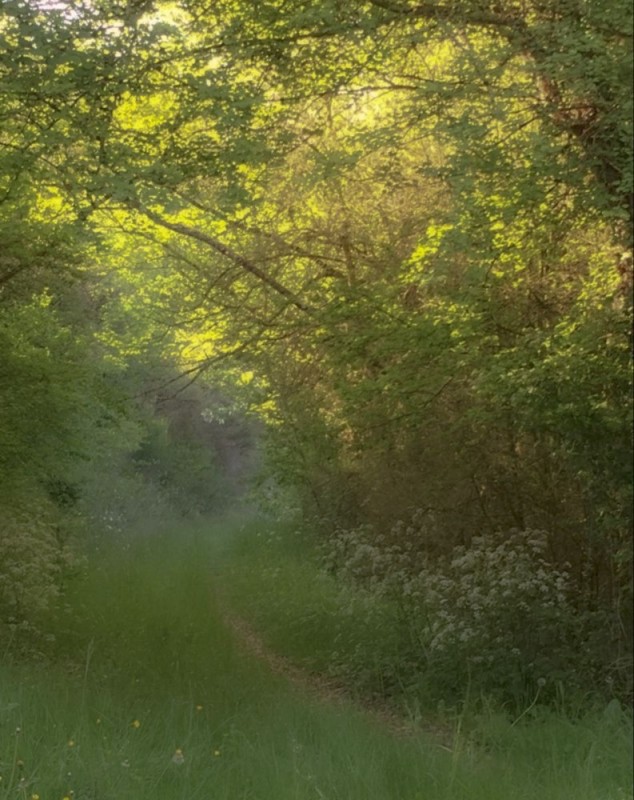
pixel 149 696
pixel 274 580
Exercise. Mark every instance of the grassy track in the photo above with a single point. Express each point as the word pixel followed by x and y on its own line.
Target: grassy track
pixel 152 698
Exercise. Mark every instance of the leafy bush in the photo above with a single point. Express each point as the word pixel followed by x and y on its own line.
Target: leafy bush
pixel 35 558
pixel 116 501
pixel 496 615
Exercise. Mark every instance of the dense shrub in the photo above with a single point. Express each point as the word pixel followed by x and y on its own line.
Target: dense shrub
pixel 496 615
pixel 36 556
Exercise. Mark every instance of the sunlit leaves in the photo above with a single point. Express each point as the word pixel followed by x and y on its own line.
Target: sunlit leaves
pixel 381 210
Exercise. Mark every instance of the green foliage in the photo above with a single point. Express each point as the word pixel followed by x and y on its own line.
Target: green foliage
pixel 274 579
pixel 398 230
pixel 43 406
pixel 37 558
pixel 497 615
pixel 184 469
pixel 28 569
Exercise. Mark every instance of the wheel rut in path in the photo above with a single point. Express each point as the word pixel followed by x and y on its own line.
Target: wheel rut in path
pixel 318 686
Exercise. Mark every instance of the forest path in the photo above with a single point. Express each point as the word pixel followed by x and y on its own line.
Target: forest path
pixel 158 692
pixel 317 686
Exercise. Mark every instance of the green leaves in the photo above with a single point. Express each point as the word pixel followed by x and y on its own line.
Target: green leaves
pixel 403 220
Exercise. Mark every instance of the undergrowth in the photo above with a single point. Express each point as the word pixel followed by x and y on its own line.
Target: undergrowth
pixel 147 695
pixel 364 641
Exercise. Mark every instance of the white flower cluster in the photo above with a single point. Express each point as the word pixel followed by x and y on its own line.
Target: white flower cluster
pixel 498 605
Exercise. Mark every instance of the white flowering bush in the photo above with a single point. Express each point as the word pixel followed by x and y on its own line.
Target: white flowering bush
pixel 496 615
pixel 384 563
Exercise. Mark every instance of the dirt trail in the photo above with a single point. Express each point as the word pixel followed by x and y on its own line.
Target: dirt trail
pixel 319 686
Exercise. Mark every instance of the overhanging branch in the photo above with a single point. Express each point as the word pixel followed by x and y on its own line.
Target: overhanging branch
pixel 219 247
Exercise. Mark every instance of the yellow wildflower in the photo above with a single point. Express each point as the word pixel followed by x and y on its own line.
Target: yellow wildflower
pixel 136 724
pixel 178 757
pixel 199 708
pixel 216 753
